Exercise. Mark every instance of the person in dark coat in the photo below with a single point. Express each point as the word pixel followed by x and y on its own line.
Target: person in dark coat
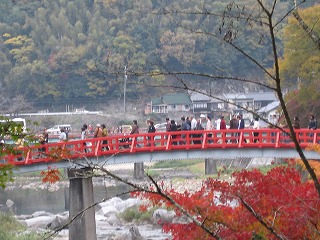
pixel 173 128
pixel 151 129
pixel 198 135
pixel 233 125
pixel 296 122
pixel 312 123
pixel 135 127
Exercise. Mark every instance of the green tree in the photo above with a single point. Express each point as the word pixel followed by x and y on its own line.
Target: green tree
pixel 132 33
pixel 21 48
pixel 299 48
pixel 300 64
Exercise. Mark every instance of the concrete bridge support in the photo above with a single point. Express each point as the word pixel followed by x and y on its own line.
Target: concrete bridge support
pixel 210 166
pixel 83 227
pixel 66 191
pixel 138 171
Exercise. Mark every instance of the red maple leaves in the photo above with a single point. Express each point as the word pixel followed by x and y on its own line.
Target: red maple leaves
pixel 273 205
pixel 50 175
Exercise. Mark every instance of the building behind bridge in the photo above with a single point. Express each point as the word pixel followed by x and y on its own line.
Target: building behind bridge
pixel 198 103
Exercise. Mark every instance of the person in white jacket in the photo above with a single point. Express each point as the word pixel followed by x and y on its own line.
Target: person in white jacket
pixel 209 127
pixel 256 125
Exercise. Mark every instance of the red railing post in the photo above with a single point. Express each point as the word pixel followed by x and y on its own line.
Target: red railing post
pixel 240 139
pixel 315 138
pixel 204 140
pixel 97 148
pixel 132 144
pixel 168 141
pixel 27 157
pixel 277 138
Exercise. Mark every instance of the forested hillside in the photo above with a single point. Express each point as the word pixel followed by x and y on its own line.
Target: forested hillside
pixel 57 52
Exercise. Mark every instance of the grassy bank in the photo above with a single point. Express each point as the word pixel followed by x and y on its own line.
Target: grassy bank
pixel 11 228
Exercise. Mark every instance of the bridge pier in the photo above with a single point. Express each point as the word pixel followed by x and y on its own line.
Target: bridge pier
pixel 83 227
pixel 138 171
pixel 210 166
pixel 66 191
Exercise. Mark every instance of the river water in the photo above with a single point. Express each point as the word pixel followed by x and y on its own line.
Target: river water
pixel 28 201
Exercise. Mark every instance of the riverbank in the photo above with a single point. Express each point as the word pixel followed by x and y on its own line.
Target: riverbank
pixel 175 175
pixel 109 226
pixel 179 175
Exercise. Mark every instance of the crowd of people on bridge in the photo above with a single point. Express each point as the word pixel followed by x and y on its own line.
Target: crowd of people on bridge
pixel 192 123
pixel 185 124
pixel 189 123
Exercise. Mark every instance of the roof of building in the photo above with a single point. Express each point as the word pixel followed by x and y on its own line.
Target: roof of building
pixel 269 107
pixel 196 96
pixel 256 96
pixel 184 98
pixel 262 96
pixel 172 99
pixel 229 96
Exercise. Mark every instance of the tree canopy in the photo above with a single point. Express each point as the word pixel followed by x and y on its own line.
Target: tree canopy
pixel 300 66
pixel 52 50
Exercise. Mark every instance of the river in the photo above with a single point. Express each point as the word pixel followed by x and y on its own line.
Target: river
pixel 29 200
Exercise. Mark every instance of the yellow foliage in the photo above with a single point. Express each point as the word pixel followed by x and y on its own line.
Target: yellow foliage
pixel 313 163
pixel 7 35
pixel 301 57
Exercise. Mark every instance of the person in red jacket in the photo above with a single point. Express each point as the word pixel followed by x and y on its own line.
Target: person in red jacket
pixel 223 126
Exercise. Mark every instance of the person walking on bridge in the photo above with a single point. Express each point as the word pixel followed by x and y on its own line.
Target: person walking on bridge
pixel 104 134
pixel 241 125
pixel 134 127
pixel 63 135
pixel 43 139
pixel 84 134
pixel 209 127
pixel 98 131
pixel 151 129
pixel 168 125
pixel 198 135
pixel 173 128
pixel 223 126
pixel 233 125
pixel 296 122
pixel 312 123
pixel 256 125
pixel 193 123
pixel 184 127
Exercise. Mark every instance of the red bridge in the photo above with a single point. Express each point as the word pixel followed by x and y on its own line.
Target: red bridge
pixel 210 145
pixel 146 147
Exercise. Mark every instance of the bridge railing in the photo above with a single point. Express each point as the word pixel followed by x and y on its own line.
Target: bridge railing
pixel 159 141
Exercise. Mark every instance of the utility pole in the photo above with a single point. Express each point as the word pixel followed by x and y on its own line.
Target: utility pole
pixel 125 88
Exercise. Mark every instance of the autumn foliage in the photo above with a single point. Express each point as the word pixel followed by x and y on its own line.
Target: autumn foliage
pixel 254 206
pixel 50 175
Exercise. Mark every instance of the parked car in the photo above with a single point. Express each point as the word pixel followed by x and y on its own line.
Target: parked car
pixel 55 130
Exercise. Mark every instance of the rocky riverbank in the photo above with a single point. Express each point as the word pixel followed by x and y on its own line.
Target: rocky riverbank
pixel 109 223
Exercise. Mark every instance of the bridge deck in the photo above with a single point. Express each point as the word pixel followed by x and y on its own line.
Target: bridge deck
pixel 159 146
